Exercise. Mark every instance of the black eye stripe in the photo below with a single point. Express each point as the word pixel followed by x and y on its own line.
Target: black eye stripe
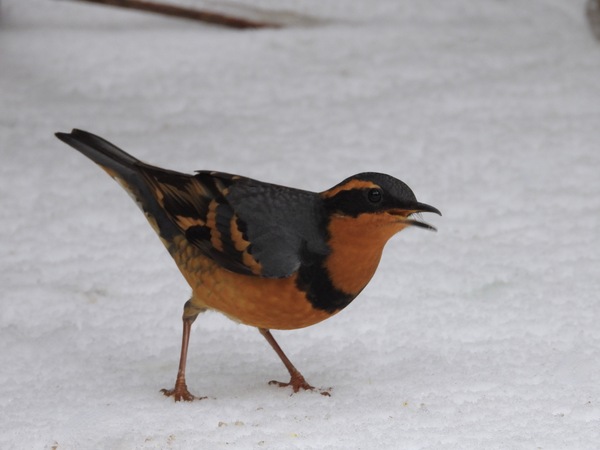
pixel 353 202
pixel 375 195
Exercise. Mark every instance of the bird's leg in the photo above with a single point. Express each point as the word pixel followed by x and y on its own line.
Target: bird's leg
pixel 180 391
pixel 297 381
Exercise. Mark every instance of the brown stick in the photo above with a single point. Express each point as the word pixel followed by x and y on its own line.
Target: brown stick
pixel 593 16
pixel 186 13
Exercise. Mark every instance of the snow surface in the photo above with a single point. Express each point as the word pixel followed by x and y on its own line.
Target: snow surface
pixel 484 335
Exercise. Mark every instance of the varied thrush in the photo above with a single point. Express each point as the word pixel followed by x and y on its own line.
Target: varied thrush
pixel 268 256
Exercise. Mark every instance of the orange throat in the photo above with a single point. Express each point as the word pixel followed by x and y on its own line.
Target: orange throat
pixel 356 247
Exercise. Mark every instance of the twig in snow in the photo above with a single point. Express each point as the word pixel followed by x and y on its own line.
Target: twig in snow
pixel 593 15
pixel 186 13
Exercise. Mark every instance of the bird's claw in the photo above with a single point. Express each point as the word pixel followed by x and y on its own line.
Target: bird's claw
pixel 180 393
pixel 298 382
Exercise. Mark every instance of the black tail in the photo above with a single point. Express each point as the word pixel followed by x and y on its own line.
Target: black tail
pixel 130 172
pixel 108 156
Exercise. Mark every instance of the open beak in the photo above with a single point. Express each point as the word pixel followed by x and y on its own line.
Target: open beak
pixel 416 208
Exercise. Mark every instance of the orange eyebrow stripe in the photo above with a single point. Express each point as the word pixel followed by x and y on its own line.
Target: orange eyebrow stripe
pixel 352 184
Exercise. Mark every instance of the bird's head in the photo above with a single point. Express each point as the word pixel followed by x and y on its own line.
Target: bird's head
pixel 363 212
pixel 377 200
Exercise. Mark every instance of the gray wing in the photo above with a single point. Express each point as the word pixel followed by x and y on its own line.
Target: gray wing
pixel 285 226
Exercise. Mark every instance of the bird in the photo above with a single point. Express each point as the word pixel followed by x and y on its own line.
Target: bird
pixel 264 255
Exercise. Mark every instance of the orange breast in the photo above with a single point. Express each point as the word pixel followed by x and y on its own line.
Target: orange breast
pixel 260 302
pixel 356 247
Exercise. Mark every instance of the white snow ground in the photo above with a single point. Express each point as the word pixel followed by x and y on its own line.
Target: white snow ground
pixel 484 335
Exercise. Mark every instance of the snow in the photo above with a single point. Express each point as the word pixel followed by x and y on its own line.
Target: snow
pixel 484 335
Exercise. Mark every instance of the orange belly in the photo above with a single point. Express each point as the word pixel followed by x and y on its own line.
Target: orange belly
pixel 259 302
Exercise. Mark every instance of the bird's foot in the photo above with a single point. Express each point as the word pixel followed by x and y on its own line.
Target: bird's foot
pixel 298 382
pixel 180 392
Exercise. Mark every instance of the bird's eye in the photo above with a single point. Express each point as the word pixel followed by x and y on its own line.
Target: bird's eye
pixel 375 195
